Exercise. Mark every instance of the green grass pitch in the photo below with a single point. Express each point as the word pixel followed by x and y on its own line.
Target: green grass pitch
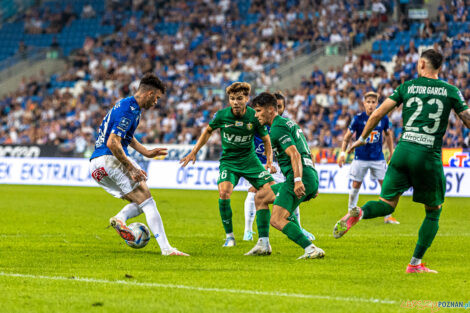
pixel 56 255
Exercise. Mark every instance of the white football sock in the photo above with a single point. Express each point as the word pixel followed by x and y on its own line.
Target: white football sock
pixel 310 248
pixel 415 261
pixel 353 197
pixel 263 240
pixel 250 211
pixel 155 223
pixel 297 215
pixel 129 211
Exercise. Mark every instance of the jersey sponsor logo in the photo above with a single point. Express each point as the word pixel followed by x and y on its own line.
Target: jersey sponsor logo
pixel 264 174
pixel 249 126
pixel 99 174
pixel 285 139
pixel 373 137
pixel 237 139
pixel 308 162
pixel 422 139
pixel 426 90
pixel 238 123
pixel 124 124
pixel 290 123
pixel 260 149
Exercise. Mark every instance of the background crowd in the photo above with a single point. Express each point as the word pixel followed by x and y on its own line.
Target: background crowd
pixel 199 47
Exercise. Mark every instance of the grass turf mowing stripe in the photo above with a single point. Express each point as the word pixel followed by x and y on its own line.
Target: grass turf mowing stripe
pixel 195 288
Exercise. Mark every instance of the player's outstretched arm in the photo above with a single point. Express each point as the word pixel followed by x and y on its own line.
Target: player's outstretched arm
pixel 269 154
pixel 114 144
pixel 295 159
pixel 465 117
pixel 372 122
pixel 206 134
pixel 344 145
pixel 137 146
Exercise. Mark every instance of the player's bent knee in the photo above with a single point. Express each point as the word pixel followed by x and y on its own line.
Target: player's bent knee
pixel 225 193
pixel 356 184
pixel 392 202
pixel 276 222
pixel 432 208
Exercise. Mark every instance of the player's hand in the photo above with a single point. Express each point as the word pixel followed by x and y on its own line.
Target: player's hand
pixel 138 175
pixel 341 160
pixel 190 157
pixel 299 189
pixel 156 152
pixel 269 166
pixel 356 144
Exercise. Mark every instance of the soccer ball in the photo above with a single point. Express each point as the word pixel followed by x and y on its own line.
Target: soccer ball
pixel 141 234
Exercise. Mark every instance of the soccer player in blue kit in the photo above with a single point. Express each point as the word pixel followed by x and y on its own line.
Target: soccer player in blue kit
pixel 113 169
pixel 370 156
pixel 250 209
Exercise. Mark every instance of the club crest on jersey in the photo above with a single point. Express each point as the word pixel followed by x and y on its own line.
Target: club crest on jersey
pixel 249 126
pixel 238 123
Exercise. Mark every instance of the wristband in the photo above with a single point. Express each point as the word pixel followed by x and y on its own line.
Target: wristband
pixel 297 179
pixel 342 154
pixel 361 139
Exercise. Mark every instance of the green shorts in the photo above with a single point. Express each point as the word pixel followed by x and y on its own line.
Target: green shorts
pixel 285 196
pixel 414 166
pixel 256 174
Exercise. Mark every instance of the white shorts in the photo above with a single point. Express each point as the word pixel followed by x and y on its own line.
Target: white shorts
pixel 110 174
pixel 359 169
pixel 278 176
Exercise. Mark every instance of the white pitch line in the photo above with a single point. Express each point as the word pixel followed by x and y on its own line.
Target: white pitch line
pixel 196 288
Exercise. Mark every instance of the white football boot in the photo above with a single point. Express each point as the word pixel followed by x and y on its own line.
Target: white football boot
pixel 313 253
pixel 229 242
pixel 261 248
pixel 173 251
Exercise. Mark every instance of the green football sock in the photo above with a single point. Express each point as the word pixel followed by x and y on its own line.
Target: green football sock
pixel 293 218
pixel 263 218
pixel 226 215
pixel 295 234
pixel 376 208
pixel 427 232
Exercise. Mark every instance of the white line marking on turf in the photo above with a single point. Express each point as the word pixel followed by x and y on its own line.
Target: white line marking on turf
pixel 195 288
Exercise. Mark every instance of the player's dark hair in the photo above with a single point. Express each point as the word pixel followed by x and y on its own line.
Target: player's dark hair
pixel 279 96
pixel 152 81
pixel 264 99
pixel 434 57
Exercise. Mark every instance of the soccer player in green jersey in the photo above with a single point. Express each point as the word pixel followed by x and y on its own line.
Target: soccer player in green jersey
pixel 301 184
pixel 238 126
pixel 416 162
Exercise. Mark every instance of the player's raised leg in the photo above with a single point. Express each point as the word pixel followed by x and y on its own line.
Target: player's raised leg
pixel 225 191
pixel 146 204
pixel 118 222
pixel 129 211
pixel 388 219
pixel 250 213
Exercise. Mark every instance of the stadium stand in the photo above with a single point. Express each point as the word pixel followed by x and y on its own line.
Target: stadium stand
pixel 198 47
